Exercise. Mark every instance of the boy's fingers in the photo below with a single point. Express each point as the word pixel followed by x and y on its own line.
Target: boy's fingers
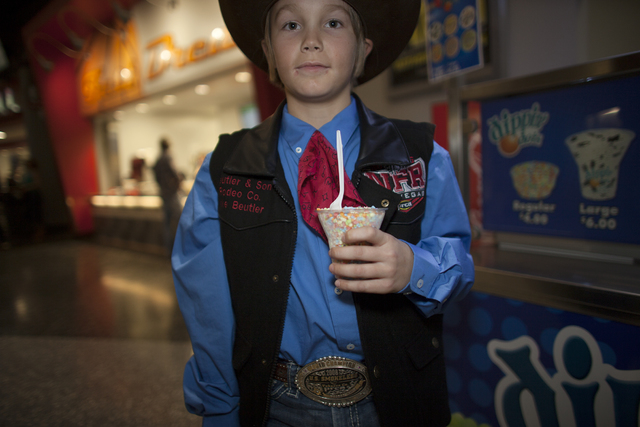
pixel 364 253
pixel 354 270
pixel 365 286
pixel 355 251
pixel 383 268
pixel 364 234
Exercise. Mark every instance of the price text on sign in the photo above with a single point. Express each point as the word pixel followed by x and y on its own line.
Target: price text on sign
pixel 599 217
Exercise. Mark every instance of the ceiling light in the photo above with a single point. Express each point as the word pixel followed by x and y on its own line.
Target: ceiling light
pixel 3 135
pixel 614 110
pixel 142 108
pixel 125 73
pixel 217 33
pixel 169 99
pixel 202 89
pixel 165 55
pixel 243 77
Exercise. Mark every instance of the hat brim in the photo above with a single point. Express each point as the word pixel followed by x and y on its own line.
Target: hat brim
pixel 389 24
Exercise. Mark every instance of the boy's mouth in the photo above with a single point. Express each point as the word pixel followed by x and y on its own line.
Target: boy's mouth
pixel 312 66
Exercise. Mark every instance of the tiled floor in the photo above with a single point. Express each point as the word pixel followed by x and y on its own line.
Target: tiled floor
pixel 90 336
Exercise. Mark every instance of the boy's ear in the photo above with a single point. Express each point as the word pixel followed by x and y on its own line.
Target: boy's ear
pixel 368 46
pixel 265 50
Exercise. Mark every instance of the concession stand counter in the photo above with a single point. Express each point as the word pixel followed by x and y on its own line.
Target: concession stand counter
pixel 550 334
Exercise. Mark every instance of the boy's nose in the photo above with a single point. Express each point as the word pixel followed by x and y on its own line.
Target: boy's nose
pixel 311 42
pixel 309 47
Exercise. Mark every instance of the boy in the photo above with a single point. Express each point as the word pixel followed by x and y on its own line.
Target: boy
pixel 280 336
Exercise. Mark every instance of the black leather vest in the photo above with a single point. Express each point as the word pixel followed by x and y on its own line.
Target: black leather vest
pixel 402 348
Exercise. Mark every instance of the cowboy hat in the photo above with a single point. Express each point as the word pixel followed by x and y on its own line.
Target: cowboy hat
pixel 389 24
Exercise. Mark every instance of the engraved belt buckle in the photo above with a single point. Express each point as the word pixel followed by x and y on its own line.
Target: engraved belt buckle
pixel 334 381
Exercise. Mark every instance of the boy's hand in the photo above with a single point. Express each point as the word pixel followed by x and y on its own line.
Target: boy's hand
pixel 386 265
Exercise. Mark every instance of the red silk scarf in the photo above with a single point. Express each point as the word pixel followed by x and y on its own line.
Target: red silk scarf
pixel 318 182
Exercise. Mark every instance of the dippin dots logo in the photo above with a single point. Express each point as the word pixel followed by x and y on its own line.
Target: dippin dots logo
pixel 511 132
pixel 583 391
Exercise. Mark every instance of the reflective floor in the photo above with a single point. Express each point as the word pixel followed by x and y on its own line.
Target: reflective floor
pixel 90 336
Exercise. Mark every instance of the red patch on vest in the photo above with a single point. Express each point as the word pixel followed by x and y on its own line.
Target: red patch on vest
pixel 409 182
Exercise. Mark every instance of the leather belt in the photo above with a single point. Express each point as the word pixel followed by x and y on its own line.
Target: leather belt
pixel 332 381
pixel 282 372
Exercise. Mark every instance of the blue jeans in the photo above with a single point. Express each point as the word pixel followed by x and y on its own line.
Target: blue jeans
pixel 289 407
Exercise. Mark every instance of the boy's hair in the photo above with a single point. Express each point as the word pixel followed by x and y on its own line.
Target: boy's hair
pixel 361 48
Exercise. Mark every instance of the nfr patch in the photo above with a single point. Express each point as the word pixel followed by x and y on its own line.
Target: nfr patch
pixel 410 183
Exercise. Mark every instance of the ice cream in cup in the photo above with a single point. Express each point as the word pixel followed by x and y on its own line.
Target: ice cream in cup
pixel 534 180
pixel 336 222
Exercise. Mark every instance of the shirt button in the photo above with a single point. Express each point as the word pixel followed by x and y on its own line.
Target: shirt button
pixel 338 291
pixel 420 283
pixel 376 371
pixel 384 203
pixel 350 347
pixel 298 150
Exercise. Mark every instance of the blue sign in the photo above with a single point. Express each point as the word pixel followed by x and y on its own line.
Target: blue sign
pixel 564 162
pixel 454 43
pixel 514 364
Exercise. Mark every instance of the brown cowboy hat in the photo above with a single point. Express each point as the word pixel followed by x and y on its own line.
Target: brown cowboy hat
pixel 388 23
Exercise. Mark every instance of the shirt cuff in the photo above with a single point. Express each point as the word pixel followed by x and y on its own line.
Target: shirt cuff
pixel 424 273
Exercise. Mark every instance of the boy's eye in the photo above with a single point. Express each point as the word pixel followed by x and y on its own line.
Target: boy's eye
pixel 334 23
pixel 291 26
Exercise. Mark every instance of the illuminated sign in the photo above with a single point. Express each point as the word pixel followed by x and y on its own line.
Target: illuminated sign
pixel 164 54
pixel 109 73
pixel 156 49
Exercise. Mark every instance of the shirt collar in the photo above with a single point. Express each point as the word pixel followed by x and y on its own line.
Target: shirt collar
pixel 296 133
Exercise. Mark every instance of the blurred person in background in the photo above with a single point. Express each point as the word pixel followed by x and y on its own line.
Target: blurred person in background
pixel 30 188
pixel 22 204
pixel 137 167
pixel 169 182
pixel 5 242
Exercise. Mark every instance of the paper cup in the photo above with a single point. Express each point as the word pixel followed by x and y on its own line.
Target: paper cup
pixel 598 154
pixel 336 222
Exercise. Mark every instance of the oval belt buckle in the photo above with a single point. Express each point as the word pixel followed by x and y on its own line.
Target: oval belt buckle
pixel 334 381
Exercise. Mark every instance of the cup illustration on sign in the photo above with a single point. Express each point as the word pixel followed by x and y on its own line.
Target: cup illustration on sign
pixel 598 153
pixel 534 180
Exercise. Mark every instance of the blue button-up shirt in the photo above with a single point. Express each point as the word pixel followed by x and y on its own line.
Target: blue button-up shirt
pixel 320 320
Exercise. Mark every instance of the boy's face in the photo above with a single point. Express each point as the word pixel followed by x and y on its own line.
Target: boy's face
pixel 314 45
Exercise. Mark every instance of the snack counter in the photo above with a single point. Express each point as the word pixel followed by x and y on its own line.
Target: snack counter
pixel 550 333
pixel 602 289
pixel 131 222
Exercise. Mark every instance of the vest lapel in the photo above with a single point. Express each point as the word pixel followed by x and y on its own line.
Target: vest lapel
pixel 257 152
pixel 380 141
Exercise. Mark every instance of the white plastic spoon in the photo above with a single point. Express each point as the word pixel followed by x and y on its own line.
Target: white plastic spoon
pixel 337 203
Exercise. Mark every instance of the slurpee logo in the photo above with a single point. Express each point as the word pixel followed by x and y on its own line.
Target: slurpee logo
pixel 511 132
pixel 584 391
